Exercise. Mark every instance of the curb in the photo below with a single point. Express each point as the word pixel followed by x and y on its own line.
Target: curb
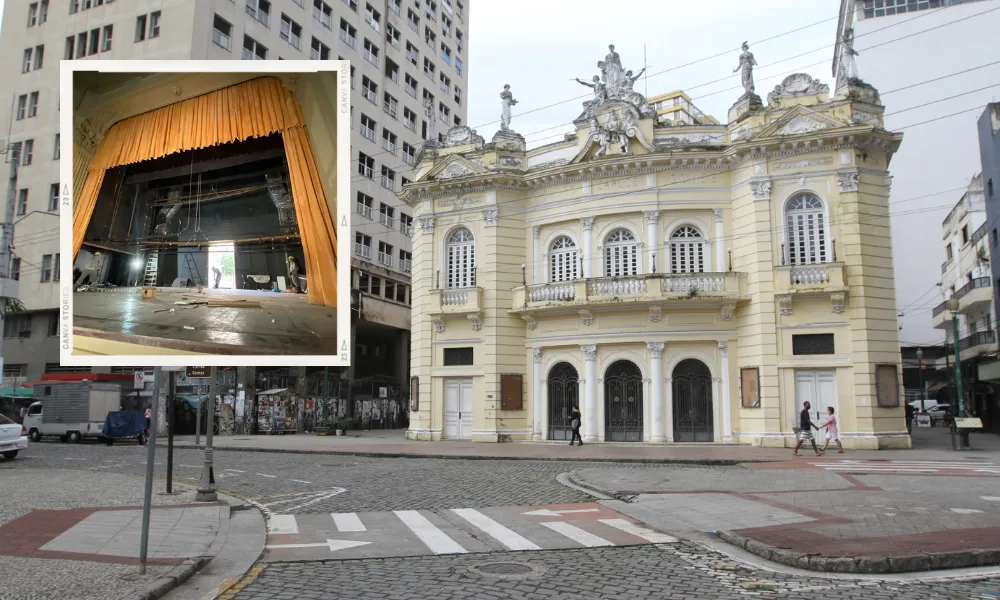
pixel 586 487
pixel 906 563
pixel 710 462
pixel 173 578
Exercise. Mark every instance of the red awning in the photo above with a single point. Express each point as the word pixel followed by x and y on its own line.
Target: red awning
pixel 57 378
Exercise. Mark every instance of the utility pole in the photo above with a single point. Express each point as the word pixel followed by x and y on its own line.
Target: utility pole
pixel 206 491
pixel 8 287
pixel 147 495
pixel 171 387
pixel 920 366
pixel 963 436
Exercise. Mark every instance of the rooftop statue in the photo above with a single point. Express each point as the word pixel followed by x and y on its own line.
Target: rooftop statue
pixel 614 84
pixel 506 101
pixel 747 63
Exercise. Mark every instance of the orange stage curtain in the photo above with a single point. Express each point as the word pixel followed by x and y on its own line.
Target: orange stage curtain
pixel 255 108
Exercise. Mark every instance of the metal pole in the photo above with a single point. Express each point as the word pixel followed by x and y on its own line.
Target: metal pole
pixel 197 422
pixel 147 494
pixel 920 366
pixel 963 437
pixel 170 431
pixel 7 234
pixel 206 492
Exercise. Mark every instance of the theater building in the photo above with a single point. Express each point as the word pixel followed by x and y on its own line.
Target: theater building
pixel 678 282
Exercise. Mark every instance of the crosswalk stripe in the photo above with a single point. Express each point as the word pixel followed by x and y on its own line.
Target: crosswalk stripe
pixel 649 535
pixel 584 538
pixel 436 540
pixel 510 539
pixel 348 522
pixel 282 524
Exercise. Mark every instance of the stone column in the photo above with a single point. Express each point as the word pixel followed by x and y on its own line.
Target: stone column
pixel 590 393
pixel 537 255
pixel 656 393
pixel 536 399
pixel 588 245
pixel 652 232
pixel 720 247
pixel 727 425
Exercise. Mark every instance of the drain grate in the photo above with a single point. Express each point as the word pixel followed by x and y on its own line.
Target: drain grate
pixel 508 570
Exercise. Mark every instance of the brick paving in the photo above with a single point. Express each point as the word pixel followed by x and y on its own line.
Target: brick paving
pixel 670 571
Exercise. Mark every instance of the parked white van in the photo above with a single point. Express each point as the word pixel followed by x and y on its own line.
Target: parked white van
pixel 71 411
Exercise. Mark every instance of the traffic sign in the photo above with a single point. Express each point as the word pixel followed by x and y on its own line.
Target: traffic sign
pixel 197 372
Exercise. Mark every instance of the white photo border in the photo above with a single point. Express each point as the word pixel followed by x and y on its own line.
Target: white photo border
pixel 342 355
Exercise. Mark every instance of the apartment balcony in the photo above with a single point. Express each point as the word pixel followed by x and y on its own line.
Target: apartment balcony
pixel 975 296
pixel 823 280
pixel 656 291
pixel 456 303
pixel 362 250
pixel 975 344
pixel 941 317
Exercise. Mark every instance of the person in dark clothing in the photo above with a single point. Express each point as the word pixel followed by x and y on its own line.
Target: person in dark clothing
pixel 805 431
pixel 218 276
pixel 910 412
pixel 574 422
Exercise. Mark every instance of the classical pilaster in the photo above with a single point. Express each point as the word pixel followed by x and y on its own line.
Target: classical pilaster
pixel 727 424
pixel 587 223
pixel 656 393
pixel 536 400
pixel 652 231
pixel 720 251
pixel 536 256
pixel 590 392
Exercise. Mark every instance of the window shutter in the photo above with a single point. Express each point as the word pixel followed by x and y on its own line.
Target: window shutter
pixel 511 391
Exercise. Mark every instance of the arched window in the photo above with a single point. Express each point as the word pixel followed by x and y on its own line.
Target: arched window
pixel 621 254
pixel 461 254
pixel 805 230
pixel 687 251
pixel 564 260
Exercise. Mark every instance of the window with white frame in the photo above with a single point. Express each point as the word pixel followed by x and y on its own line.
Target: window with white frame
pixel 260 10
pixel 370 52
pixel 386 213
pixel 348 34
pixel 222 31
pixel 621 254
pixel 322 13
pixel 805 230
pixel 291 31
pixel 385 253
pixel 564 260
pixel 687 251
pixel 368 127
pixel 461 254
pixel 365 205
pixel 390 105
pixel 253 50
pixel 363 245
pixel 319 50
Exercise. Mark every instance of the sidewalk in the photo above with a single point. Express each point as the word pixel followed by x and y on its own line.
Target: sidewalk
pixel 79 533
pixel 929 444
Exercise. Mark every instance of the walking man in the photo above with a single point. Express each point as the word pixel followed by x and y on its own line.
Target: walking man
pixel 574 422
pixel 90 270
pixel 218 276
pixel 805 431
pixel 293 273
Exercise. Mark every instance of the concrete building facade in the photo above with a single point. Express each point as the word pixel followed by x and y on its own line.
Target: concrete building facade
pixel 677 283
pixel 405 55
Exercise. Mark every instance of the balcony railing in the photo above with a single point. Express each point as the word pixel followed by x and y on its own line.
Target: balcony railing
pixel 385 258
pixel 388 182
pixel 944 266
pixel 979 282
pixel 392 108
pixel 385 220
pixel 979 234
pixel 368 132
pixel 809 277
pixel 362 250
pixel 406 265
pixel 370 95
pixel 459 297
pixel 370 56
pixel 940 308
pixel 980 338
pixel 651 288
pixel 348 39
pixel 364 210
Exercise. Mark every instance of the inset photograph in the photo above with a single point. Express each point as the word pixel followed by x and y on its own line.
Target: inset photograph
pixel 205 212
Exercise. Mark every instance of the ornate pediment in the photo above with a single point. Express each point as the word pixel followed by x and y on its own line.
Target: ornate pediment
pixel 458 136
pixel 614 130
pixel 799 120
pixel 614 84
pixel 455 166
pixel 796 86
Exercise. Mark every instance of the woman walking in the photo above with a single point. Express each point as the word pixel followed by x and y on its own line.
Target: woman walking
pixel 832 430
pixel 574 422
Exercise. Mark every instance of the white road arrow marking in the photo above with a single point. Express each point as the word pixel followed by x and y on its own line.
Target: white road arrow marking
pixel 545 512
pixel 966 511
pixel 305 499
pixel 990 498
pixel 334 545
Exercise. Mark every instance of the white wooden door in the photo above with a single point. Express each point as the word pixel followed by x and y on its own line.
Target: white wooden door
pixel 819 388
pixel 457 409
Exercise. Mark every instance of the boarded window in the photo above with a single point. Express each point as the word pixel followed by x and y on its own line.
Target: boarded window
pixel 511 391
pixel 414 394
pixel 887 385
pixel 750 387
pixel 812 343
pixel 457 357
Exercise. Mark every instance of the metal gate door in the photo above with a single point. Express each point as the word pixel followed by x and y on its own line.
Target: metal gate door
pixel 564 394
pixel 692 383
pixel 623 402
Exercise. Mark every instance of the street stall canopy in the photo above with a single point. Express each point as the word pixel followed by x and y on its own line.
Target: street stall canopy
pixel 18 392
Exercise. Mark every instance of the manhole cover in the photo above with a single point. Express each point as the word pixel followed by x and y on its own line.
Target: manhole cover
pixel 508 570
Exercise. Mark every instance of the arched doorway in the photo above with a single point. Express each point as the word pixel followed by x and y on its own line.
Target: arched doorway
pixel 623 402
pixel 564 394
pixel 692 383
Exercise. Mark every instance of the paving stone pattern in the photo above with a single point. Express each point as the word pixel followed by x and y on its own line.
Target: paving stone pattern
pixel 675 571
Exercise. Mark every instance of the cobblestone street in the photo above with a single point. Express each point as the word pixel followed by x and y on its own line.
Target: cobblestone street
pixel 681 571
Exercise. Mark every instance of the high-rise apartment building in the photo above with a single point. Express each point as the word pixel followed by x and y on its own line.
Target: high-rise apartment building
pixel 406 56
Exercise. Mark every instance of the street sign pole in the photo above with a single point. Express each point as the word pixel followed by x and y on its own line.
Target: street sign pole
pixel 170 431
pixel 147 495
pixel 206 491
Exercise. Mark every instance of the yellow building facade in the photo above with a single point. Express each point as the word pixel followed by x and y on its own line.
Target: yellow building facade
pixel 676 283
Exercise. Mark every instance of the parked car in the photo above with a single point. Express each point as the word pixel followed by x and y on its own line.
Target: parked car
pixel 940 413
pixel 13 438
pixel 928 404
